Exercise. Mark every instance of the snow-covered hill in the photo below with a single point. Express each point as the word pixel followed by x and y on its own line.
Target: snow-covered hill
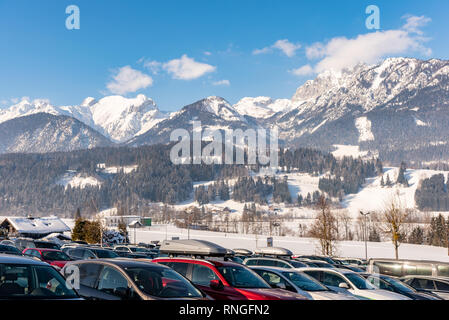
pixel 116 117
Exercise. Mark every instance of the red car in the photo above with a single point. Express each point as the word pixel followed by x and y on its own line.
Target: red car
pixel 53 257
pixel 225 280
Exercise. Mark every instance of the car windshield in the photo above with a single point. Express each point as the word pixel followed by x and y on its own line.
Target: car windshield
pixel 304 282
pixel 32 282
pixel 105 254
pixel 241 277
pixel 47 245
pixel 359 282
pixel 162 282
pixel 55 256
pixel 399 285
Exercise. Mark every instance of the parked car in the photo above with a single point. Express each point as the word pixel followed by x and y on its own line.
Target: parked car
pixel 25 278
pixel 8 243
pixel 47 245
pixel 299 282
pixel 119 279
pixel 9 250
pixel 352 261
pixel 395 285
pixel 23 243
pixel 220 279
pixel 435 285
pixel 56 258
pixel 134 252
pixel 83 253
pixel 348 281
pixel 322 264
pixel 320 258
pixel 274 262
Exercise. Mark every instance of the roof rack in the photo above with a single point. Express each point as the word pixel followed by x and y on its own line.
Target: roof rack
pixel 274 251
pixel 243 252
pixel 193 248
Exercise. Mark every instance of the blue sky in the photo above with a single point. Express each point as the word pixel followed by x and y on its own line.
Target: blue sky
pixel 177 52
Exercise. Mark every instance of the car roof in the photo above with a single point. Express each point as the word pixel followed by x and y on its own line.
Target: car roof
pixel 335 270
pixel 427 277
pixel 122 263
pixel 14 259
pixel 43 249
pixel 216 263
pixel 275 269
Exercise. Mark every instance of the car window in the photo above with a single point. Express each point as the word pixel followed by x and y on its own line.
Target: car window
pixel 87 254
pixel 76 253
pixel 111 281
pixel 272 278
pixel 89 273
pixel 423 284
pixel 442 286
pixel 314 274
pixel 332 279
pixel 251 262
pixel 203 275
pixel 179 267
pixel 267 262
pixel 282 264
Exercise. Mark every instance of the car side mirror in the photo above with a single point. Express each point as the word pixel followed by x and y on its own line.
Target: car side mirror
pixel 343 285
pixel 216 285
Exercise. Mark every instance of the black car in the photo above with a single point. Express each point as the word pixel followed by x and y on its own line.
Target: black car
pixel 47 245
pixel 10 250
pixel 83 253
pixel 119 279
pixel 29 279
pixel 395 285
pixel 432 285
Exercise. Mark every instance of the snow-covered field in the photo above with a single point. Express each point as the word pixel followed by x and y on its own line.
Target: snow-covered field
pixel 76 180
pixel 295 244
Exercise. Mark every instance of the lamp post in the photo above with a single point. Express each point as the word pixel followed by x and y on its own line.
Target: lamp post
pixel 365 233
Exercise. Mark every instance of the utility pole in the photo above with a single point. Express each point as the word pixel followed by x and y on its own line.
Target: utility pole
pixel 365 233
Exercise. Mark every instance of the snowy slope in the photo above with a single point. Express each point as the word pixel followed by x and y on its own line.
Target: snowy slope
pixel 75 180
pixel 261 107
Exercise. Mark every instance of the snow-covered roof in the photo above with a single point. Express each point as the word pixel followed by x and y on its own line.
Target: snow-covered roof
pixel 45 225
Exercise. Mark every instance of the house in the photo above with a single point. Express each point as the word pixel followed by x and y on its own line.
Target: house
pixel 35 228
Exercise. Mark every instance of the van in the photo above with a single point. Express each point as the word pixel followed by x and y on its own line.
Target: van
pixel 402 268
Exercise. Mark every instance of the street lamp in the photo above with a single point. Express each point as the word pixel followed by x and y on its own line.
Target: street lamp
pixel 365 233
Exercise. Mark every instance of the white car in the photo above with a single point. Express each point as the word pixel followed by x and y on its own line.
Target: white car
pixel 296 281
pixel 341 280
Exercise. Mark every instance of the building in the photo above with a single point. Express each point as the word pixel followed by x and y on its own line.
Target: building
pixel 35 228
pixel 113 221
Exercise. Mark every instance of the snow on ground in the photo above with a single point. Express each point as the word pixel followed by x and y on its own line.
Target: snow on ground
pixel 76 180
pixel 374 197
pixel 115 170
pixel 295 244
pixel 348 151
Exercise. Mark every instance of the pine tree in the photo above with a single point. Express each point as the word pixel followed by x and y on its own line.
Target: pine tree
pixel 300 200
pixel 382 182
pixel 388 182
pixel 401 176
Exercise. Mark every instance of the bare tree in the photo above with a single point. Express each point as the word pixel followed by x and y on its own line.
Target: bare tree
pixel 324 228
pixel 344 219
pixel 394 220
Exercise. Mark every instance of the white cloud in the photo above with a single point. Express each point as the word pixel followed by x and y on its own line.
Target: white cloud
pixel 303 71
pixel 414 24
pixel 222 83
pixel 153 66
pixel 128 80
pixel 187 68
pixel 207 53
pixel 287 47
pixel 370 48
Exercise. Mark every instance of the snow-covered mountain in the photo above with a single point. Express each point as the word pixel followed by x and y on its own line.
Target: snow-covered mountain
pixel 116 117
pixel 214 113
pixel 44 132
pixel 395 108
pixel 261 107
